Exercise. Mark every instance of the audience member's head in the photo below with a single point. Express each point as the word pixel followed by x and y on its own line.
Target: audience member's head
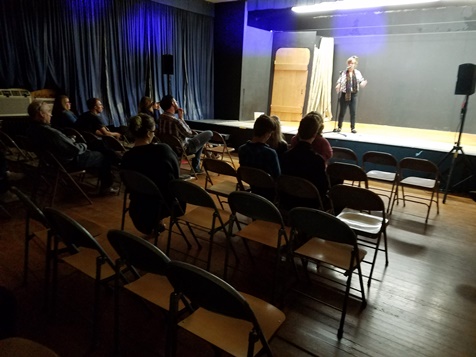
pixel 141 125
pixel 320 121
pixel 263 125
pixel 309 126
pixel 94 105
pixel 167 102
pixel 61 104
pixel 277 135
pixel 40 111
pixel 146 105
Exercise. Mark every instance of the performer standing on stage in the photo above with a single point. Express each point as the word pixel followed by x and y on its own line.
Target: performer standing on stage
pixel 348 85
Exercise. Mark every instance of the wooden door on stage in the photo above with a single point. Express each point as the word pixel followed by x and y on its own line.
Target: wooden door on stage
pixel 289 83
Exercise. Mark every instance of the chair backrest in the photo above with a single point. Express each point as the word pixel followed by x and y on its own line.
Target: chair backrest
pixel 72 234
pixel 11 146
pixel 315 223
pixel 190 193
pixel 174 143
pixel 138 252
pixel 217 138
pixel 418 165
pixel 33 211
pixel 206 290
pixel 91 139
pixel 219 167
pixel 357 198
pixel 138 183
pixel 73 132
pixel 254 206
pixel 344 154
pixel 347 172
pixel 112 143
pixel 256 177
pixel 296 191
pixel 380 159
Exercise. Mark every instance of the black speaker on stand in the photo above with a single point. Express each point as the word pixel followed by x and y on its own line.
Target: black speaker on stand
pixel 168 69
pixel 465 85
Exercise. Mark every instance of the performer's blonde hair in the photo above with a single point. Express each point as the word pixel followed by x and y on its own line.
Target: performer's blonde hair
pixel 355 58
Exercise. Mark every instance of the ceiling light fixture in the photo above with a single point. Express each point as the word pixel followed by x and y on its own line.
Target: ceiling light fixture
pixel 330 6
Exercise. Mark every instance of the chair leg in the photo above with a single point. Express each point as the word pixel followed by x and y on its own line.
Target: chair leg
pixel 75 184
pixel 377 245
pixel 340 331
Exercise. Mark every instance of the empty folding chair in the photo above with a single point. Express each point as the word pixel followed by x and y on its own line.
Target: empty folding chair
pixel 86 255
pixel 148 265
pixel 418 174
pixel 205 216
pixel 228 179
pixel 266 227
pixel 329 243
pixel 364 212
pixel 218 148
pixel 236 323
pixel 259 181
pixel 381 167
pixel 341 172
pixel 341 154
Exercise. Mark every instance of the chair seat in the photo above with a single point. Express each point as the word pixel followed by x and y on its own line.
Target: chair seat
pixel 419 182
pixel 332 253
pixel 223 188
pixel 231 334
pixel 153 288
pixel 262 232
pixel 381 175
pixel 85 261
pixel 362 222
pixel 219 149
pixel 202 216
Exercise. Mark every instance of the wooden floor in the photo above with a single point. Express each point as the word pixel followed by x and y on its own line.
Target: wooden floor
pixel 423 303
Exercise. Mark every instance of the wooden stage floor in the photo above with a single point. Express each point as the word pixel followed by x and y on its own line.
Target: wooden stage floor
pixel 435 140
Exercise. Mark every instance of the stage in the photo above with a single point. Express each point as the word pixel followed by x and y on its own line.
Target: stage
pixel 401 142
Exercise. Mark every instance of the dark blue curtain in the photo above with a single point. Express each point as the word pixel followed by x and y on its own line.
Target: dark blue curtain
pixel 110 49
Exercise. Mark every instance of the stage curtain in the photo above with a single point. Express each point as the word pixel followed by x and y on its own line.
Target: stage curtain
pixel 110 49
pixel 321 79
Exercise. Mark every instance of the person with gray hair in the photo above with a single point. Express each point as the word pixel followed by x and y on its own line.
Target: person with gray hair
pixel 72 155
pixel 348 85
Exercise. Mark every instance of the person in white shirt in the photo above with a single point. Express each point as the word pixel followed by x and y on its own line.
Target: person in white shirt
pixel 348 85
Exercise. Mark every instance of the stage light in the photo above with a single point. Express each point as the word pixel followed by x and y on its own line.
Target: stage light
pixel 355 5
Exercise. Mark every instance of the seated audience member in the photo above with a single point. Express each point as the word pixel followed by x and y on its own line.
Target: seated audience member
pixel 276 140
pixel 256 153
pixel 149 107
pixel 63 117
pixel 320 143
pixel 72 155
pixel 156 161
pixel 171 125
pixel 90 120
pixel 303 161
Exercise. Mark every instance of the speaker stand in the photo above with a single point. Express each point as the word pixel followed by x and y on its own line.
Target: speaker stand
pixel 169 84
pixel 457 149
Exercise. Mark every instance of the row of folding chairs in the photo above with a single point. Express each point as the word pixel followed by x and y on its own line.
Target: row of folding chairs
pixel 266 225
pixel 409 172
pixel 194 299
